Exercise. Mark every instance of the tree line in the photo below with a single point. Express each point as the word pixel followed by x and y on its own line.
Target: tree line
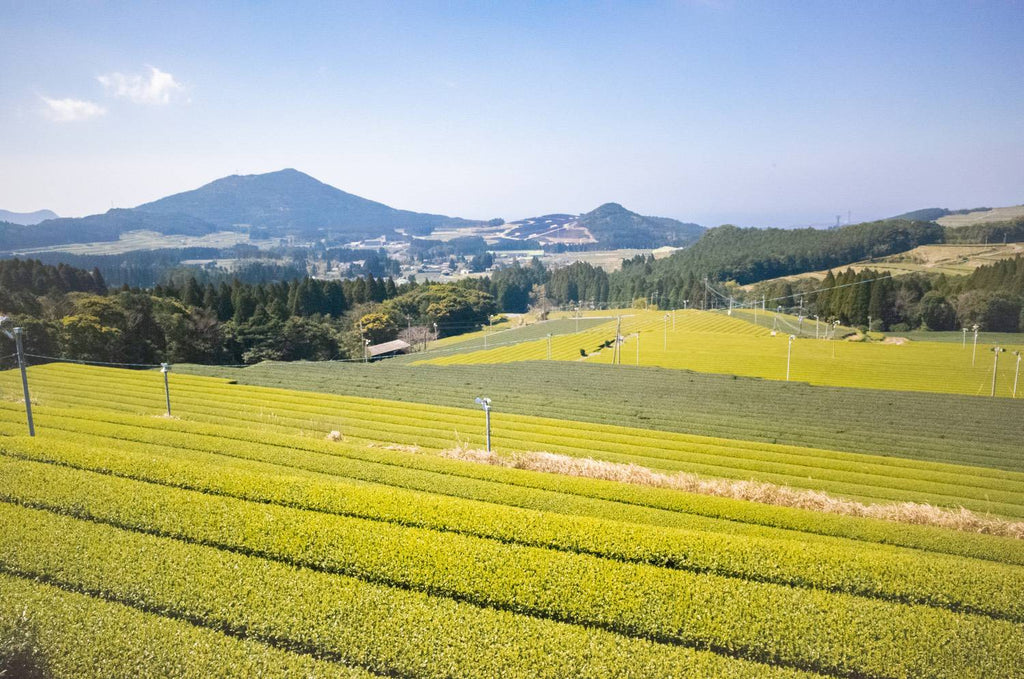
pixel 71 313
pixel 991 297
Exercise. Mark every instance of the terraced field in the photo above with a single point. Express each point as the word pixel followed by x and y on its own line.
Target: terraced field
pixel 715 343
pixel 918 425
pixel 236 540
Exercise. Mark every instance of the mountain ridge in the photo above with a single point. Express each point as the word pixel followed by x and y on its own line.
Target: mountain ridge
pixel 291 203
pixel 26 218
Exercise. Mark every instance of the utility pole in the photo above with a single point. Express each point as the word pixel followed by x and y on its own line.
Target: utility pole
pixel 165 369
pixel 995 364
pixel 1016 374
pixel 549 346
pixel 789 355
pixel 485 403
pixel 24 380
pixel 705 293
pixel 974 352
pixel 963 345
pixel 815 326
pixel 616 353
pixel 666 332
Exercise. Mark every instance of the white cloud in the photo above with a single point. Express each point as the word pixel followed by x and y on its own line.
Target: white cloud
pixel 157 87
pixel 71 110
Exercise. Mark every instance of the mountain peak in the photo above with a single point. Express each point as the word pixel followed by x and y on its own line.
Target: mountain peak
pixel 614 226
pixel 609 207
pixel 290 201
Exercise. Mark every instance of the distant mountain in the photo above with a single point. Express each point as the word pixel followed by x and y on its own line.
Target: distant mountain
pixel 609 226
pixel 616 227
pixel 26 218
pixel 96 228
pixel 291 202
pixel 275 204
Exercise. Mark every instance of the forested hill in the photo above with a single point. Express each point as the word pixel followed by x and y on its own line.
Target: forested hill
pixel 95 228
pixel 616 227
pixel 274 204
pixel 930 214
pixel 750 255
pixel 289 201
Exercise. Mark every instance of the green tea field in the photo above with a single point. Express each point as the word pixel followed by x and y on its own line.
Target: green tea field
pixel 271 532
pixel 713 342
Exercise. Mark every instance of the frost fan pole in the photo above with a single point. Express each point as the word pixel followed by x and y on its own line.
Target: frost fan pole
pixel 485 403
pixel 24 381
pixel 165 369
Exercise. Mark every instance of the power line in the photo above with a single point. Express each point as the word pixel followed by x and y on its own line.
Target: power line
pixel 800 294
pixel 87 362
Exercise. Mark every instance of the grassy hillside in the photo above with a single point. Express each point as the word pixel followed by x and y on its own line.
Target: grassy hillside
pixel 996 214
pixel 950 259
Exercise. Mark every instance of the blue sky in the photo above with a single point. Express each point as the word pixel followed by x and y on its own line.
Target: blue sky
pixel 760 114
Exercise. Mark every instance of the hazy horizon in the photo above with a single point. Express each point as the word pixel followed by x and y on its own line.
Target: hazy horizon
pixel 710 112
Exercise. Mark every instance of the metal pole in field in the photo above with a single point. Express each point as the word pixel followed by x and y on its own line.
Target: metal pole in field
pixel 485 403
pixel 549 346
pixel 24 381
pixel 974 352
pixel 638 348
pixel 666 332
pixel 165 369
pixel 616 353
pixel 1016 373
pixel 995 364
pixel 789 355
pixel 815 326
pixel 964 344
